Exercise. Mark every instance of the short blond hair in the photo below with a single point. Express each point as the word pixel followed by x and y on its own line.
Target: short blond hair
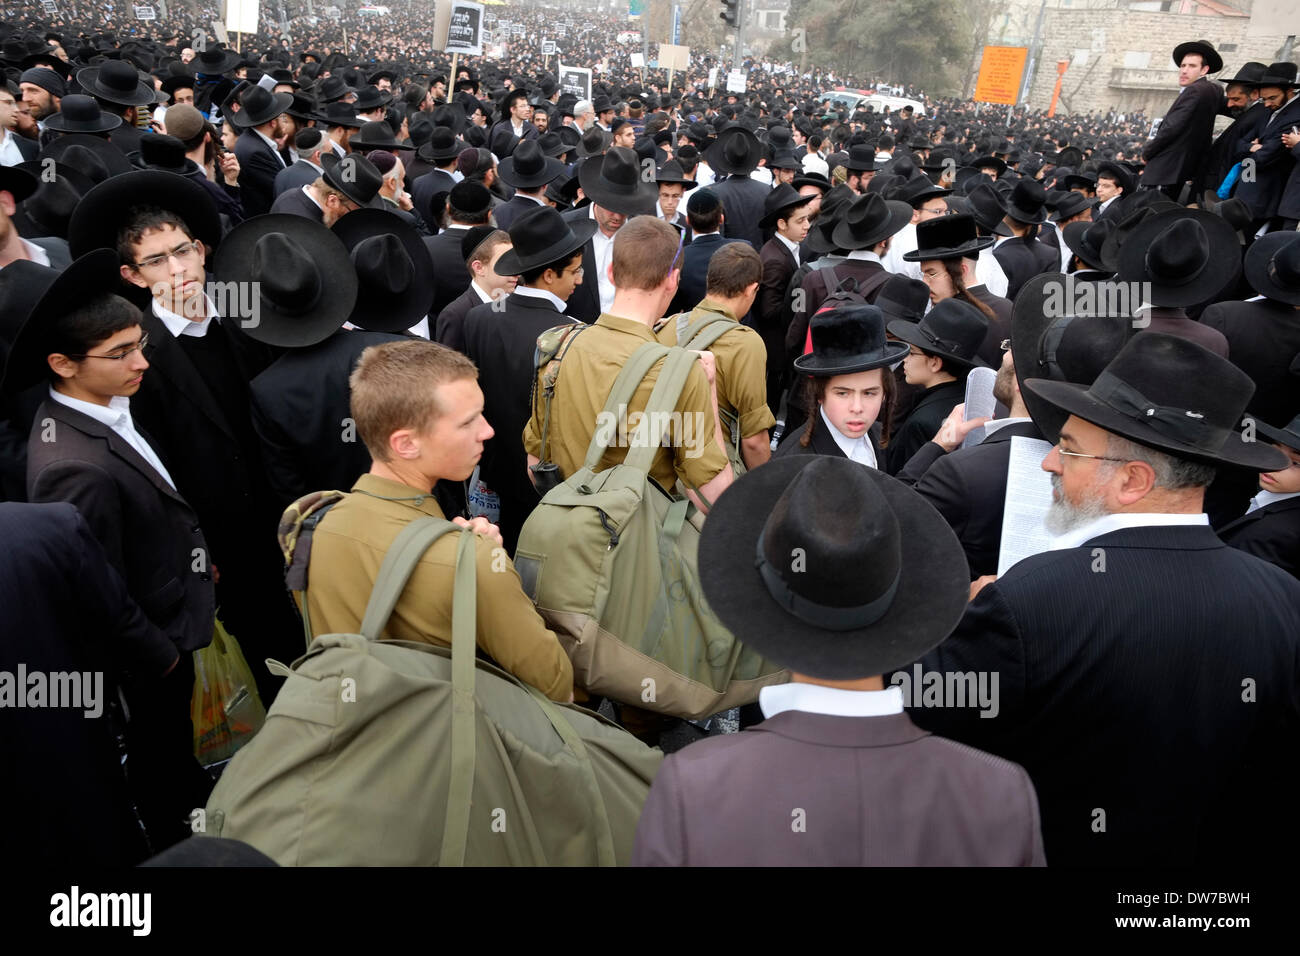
pixel 394 386
pixel 643 253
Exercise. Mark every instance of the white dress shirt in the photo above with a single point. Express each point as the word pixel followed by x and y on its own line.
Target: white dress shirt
pixel 1266 498
pixel 35 252
pixel 603 248
pixel 816 163
pixel 762 174
pixel 855 449
pixel 179 325
pixel 117 416
pixel 864 255
pixel 900 242
pixel 10 154
pixel 831 701
pixel 704 175
pixel 1115 522
pixel 550 297
pixel 792 246
pixel 989 272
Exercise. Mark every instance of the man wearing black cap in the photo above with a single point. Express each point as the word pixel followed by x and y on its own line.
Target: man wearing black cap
pixel 42 91
pixel 442 150
pixel 259 156
pixel 1270 528
pixel 1113 184
pixel 118 89
pixel 346 184
pixel 734 155
pixel 1023 255
pixel 480 246
pixel 1242 102
pixel 1174 759
pixel 529 171
pixel 308 167
pixel 501 339
pixel 837 774
pixel 516 113
pixel 469 204
pixel 1273 151
pixel 1181 145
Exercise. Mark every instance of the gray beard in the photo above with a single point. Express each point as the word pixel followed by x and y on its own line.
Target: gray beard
pixel 1063 517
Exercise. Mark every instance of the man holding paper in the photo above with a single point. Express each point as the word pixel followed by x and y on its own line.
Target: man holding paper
pixel 1148 672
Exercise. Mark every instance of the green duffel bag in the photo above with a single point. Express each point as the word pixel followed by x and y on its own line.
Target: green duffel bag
pixel 609 559
pixel 391 753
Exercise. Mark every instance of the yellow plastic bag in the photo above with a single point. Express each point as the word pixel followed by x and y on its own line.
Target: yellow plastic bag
pixel 226 709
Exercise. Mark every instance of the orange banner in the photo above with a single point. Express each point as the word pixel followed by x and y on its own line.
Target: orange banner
pixel 1000 74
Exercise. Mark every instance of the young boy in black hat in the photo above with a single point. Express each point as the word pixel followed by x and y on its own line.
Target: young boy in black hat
pixel 1270 528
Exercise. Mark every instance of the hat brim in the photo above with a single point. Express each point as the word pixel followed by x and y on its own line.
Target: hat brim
pixel 513 264
pixel 507 173
pixel 811 364
pixel 900 214
pixel 233 262
pixel 1283 436
pixel 88 78
pixel 427 153
pixel 21 184
pixel 1256 265
pixel 715 155
pixel 1078 401
pixel 1073 235
pixel 390 144
pixel 638 203
pixel 106 123
pixel 103 210
pixel 939 253
pixel 280 103
pixel 1209 55
pixel 228 63
pixel 910 332
pixel 769 220
pixel 933 584
pixel 389 315
pixel 1222 267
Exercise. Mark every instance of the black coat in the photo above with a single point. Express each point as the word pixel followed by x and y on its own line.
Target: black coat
pixel 449 326
pixel 149 533
pixel 300 406
pixel 932 407
pixel 1271 533
pixel 1181 145
pixel 295 202
pixel 1273 163
pixel 1024 257
pixel 259 164
pixel 510 210
pixel 1232 145
pixel 822 442
pixel 425 187
pixel 584 304
pixel 769 316
pixel 990 349
pixel 501 339
pixel 969 488
pixel 450 274
pixel 693 283
pixel 301 173
pixel 1155 734
pixel 742 208
pixel 1263 341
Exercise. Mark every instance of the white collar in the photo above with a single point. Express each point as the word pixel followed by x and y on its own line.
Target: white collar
pixel 855 449
pixel 701 235
pixel 1115 522
pixel 540 202
pixel 34 252
pixel 1266 498
pixel 112 414
pixel 482 294
pixel 551 297
pixel 861 255
pixel 179 325
pixel 269 142
pixel 831 701
pixel 995 424
pixel 792 246
pixel 306 191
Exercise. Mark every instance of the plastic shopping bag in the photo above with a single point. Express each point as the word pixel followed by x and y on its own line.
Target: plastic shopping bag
pixel 225 708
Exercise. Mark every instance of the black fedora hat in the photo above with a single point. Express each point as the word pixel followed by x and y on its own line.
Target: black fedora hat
pixel 541 236
pixel 115 81
pixel 1273 266
pixel 847 340
pixel 395 286
pixel 1137 209
pixel 671 173
pixel 1168 393
pixel 371 98
pixel 1058 341
pixel 987 209
pixel 18 182
pixel 306 284
pixel 812 179
pixel 554 145
pixel 1209 56
pixel 1025 204
pixel 1070 205
pixel 821 237
pixel 918 191
pixel 779 203
pixel 215 59
pixel 442 146
pixel 92 155
pixel 602 104
pixel 1118 172
pixel 528 167
pixel 903 298
pixel 1281 74
pixel 868 220
pixel 258 106
pixel 22 283
pixel 81 114
pixel 736 151
pixel 106 208
pixel 337 114
pixel 1186 256
pixel 615 182
pixel 1087 239
pixel 162 152
pixel 88 275
pixel 450 115
pixel 861 159
pixel 947 237
pixel 890 579
pixel 953 329
pixel 377 135
pixel 355 177
pixel 177 81
pixel 1288 434
pixel 980 163
pixel 48 211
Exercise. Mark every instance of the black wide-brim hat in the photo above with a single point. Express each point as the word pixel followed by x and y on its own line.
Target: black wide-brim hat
pixel 869 219
pixel 113 160
pixel 81 114
pixel 1288 435
pixel 1087 239
pixel 1170 394
pixel 443 150
pixel 308 286
pixel 847 340
pixel 988 162
pixel 48 211
pixel 953 329
pixel 541 236
pixel 20 182
pixel 376 135
pixel 95 272
pixel 780 203
pixel 1273 266
pixel 736 151
pixel 115 81
pixel 1167 251
pixel 614 182
pixel 389 309
pixel 1209 55
pixel 947 237
pixel 933 583
pixel 528 167
pixel 219 59
pixel 105 209
pixel 258 106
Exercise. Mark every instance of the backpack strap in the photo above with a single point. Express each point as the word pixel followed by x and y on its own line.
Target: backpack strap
pixel 620 393
pixel 552 346
pixel 704 332
pixel 662 403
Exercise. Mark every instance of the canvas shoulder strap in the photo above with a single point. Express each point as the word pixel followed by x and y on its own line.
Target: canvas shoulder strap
pixel 625 385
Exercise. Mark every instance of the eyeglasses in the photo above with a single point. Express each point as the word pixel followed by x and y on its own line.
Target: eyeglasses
pixel 118 356
pixel 182 253
pixel 1079 454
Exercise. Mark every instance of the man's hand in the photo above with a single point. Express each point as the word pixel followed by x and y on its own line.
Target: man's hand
pixel 954 429
pixel 1255 144
pixel 229 168
pixel 1290 139
pixel 480 525
pixel 980 583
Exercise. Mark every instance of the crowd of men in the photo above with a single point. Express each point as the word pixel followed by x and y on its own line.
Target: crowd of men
pixel 230 281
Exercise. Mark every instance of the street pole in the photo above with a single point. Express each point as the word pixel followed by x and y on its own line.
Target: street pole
pixel 1034 49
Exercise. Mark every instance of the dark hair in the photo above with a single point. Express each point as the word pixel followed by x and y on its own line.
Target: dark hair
pixel 142 219
pixel 814 390
pixel 953 267
pixel 559 265
pixel 704 221
pixel 732 268
pixel 79 331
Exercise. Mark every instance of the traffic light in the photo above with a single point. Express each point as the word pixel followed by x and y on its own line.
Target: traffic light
pixel 730 12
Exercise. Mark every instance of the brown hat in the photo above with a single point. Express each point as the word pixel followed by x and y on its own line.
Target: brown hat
pixel 183 121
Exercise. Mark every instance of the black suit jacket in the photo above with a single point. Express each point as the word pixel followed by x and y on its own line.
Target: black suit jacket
pixel 769 316
pixel 449 327
pixel 692 284
pixel 301 173
pixel 424 188
pixel 259 164
pixel 1232 145
pixel 295 202
pixel 990 349
pixel 969 488
pixel 1271 533
pixel 510 210
pixel 1153 731
pixel 501 339
pixel 56 250
pixel 931 408
pixel 126 137
pixel 822 442
pixel 29 148
pixel 1263 341
pixel 742 207
pixel 1024 257
pixel 300 406
pixel 148 531
pixel 450 274
pixel 1273 162
pixel 1180 147
pixel 584 304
